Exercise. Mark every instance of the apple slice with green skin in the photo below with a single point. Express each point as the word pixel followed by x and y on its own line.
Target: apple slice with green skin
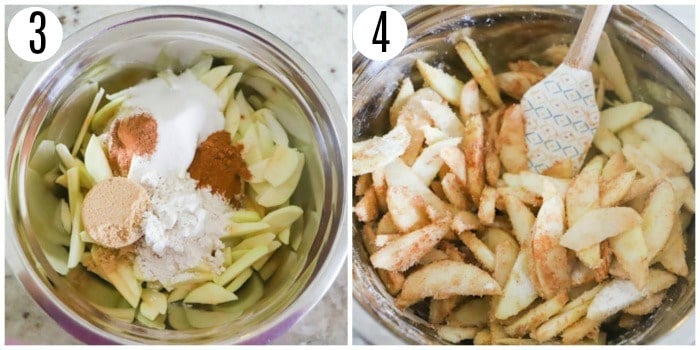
pixel 283 236
pixel 270 266
pixel 262 239
pixel 153 304
pixel 276 195
pixel 56 255
pixel 85 237
pixel 124 314
pixel 202 66
pixel 245 216
pixel 157 323
pixel 276 130
pixel 180 292
pixel 238 229
pixel 265 142
pixel 209 293
pixel 250 142
pixel 66 219
pixel 237 254
pixel 103 116
pixel 177 319
pixel 129 283
pixel 44 158
pixel 215 76
pixel 281 165
pixel 191 278
pixel 271 248
pixel 239 280
pixel 75 199
pixel 226 88
pixel 207 319
pixel 227 256
pixel 232 117
pixel 126 283
pixel 241 264
pixel 96 161
pixel 282 217
pixel 250 294
pixel 246 110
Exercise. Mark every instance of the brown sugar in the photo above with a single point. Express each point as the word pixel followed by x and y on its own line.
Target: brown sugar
pixel 112 212
pixel 219 165
pixel 106 260
pixel 135 135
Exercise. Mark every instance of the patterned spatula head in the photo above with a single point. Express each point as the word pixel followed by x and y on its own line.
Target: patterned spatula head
pixel 561 115
pixel 561 118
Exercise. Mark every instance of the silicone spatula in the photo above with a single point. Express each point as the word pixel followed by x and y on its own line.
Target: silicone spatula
pixel 561 115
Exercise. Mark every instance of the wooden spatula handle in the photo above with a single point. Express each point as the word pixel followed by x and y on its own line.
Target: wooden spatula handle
pixel 583 47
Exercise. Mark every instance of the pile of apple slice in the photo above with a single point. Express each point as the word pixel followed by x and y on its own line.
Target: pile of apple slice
pixel 257 243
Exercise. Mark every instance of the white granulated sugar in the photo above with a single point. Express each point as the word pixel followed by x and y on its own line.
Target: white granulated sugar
pixel 182 229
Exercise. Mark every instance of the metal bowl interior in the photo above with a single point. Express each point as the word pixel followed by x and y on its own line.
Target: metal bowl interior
pixel 650 44
pixel 117 52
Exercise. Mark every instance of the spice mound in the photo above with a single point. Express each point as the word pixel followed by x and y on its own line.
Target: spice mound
pixel 136 135
pixel 182 228
pixel 112 212
pixel 218 164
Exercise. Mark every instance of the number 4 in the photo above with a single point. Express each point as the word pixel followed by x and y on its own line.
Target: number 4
pixel 382 23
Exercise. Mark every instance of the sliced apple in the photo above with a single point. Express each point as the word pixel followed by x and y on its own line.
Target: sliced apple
pixel 237 229
pixel 238 282
pixel 281 165
pixel 251 150
pixel 279 135
pixel 260 240
pixel 446 278
pixel 283 235
pixel 619 117
pixel 96 161
pixel 276 195
pixel 598 225
pixel 244 216
pixel 153 303
pixel 375 153
pixel 519 291
pixel 209 293
pixel 240 265
pixel 232 117
pixel 215 76
pixel 405 251
pixel 226 88
pixel 444 118
pixel 282 217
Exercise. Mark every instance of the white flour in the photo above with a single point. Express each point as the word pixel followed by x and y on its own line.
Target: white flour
pixel 182 229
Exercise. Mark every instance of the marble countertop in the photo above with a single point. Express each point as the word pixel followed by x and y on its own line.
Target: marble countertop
pixel 299 26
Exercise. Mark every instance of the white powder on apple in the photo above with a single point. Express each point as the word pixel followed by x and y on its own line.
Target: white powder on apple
pixel 182 229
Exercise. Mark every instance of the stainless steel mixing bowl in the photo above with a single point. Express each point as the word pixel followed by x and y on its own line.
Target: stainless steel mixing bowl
pixel 650 43
pixel 118 51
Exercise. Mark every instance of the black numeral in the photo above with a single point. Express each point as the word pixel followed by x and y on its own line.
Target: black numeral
pixel 40 31
pixel 382 23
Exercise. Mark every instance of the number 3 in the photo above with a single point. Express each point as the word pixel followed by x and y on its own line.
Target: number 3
pixel 382 23
pixel 40 31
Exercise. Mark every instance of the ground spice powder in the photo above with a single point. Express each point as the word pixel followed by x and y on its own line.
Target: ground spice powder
pixel 133 136
pixel 219 165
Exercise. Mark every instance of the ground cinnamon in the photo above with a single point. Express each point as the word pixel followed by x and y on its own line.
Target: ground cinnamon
pixel 135 135
pixel 218 164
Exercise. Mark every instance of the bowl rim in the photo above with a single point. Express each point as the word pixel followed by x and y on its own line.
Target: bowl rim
pixel 683 35
pixel 333 168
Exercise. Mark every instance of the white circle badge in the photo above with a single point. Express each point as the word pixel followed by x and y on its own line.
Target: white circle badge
pixel 380 33
pixel 35 34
